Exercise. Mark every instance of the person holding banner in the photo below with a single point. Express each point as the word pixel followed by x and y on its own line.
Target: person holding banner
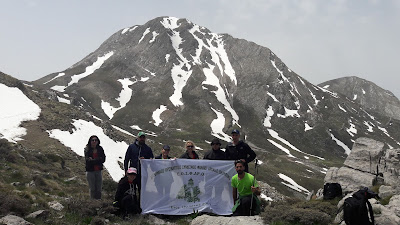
pixel 136 151
pixel 190 153
pixel 125 197
pixel 164 153
pixel 238 150
pixel 215 153
pixel 245 185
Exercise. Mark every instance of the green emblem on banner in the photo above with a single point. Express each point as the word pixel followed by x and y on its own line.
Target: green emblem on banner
pixel 189 192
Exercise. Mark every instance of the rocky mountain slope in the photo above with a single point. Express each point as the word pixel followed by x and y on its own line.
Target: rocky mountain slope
pixel 367 94
pixel 177 81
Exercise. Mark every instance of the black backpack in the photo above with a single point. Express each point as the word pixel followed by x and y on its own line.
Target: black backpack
pixel 332 190
pixel 357 207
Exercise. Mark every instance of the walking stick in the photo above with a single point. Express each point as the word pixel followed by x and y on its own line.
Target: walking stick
pixel 254 180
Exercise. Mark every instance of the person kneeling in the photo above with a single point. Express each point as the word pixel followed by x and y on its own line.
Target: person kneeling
pixel 125 197
pixel 246 186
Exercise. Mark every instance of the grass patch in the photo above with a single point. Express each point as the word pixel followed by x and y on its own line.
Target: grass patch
pixel 295 211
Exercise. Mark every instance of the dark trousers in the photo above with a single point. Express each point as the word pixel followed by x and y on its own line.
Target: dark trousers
pixel 129 205
pixel 244 208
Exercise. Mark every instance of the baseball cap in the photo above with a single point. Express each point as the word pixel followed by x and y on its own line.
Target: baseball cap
pixel 141 133
pixel 131 170
pixel 166 147
pixel 215 141
pixel 235 132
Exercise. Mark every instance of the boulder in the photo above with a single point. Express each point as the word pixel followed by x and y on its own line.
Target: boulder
pixel 386 191
pixel 365 155
pixel 56 205
pixel 390 166
pixel 350 179
pixel 14 220
pixel 221 220
pixel 37 214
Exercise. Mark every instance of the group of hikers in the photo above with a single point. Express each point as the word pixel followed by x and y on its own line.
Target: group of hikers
pixel 127 198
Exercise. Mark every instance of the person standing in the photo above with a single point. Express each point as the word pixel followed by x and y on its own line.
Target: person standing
pixel 136 151
pixel 94 159
pixel 244 192
pixel 163 182
pixel 190 153
pixel 238 150
pixel 215 153
pixel 164 153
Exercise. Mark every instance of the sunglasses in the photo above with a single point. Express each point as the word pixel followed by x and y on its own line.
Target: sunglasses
pixel 189 146
pixel 94 140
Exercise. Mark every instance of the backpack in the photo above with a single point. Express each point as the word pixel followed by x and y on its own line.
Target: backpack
pixel 357 207
pixel 332 190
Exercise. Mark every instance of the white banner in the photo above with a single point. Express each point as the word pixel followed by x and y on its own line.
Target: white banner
pixel 184 186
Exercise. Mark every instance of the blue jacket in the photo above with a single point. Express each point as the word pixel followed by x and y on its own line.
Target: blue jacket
pixel 132 155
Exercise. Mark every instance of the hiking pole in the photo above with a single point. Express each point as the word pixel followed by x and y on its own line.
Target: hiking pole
pixel 254 181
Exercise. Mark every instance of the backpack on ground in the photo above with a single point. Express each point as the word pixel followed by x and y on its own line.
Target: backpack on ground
pixel 357 207
pixel 332 190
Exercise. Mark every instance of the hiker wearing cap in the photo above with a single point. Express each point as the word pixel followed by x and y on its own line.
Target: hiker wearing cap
pixel 215 153
pixel 164 153
pixel 238 150
pixel 94 159
pixel 136 151
pixel 244 192
pixel 190 153
pixel 125 197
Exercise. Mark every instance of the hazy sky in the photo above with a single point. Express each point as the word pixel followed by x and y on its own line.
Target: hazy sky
pixel 318 39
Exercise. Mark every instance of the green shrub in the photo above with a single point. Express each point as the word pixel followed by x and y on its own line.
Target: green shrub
pixel 295 211
pixel 12 203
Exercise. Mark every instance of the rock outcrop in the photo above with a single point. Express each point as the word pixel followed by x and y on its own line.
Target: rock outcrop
pixel 370 164
pixel 206 219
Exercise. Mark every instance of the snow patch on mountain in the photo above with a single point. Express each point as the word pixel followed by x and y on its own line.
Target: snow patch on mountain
pixel 144 34
pixel 122 130
pixel 77 140
pixel 281 148
pixel 307 127
pixel 124 30
pixel 217 126
pixel 292 184
pixel 63 100
pixel 289 113
pixel 267 120
pixel 333 94
pixel 369 125
pixel 341 108
pixel 13 111
pixel 275 135
pixel 387 134
pixel 156 115
pixel 59 75
pixel 341 144
pixel 90 69
pixel 155 34
pixel 273 97
pixel 124 97
pixel 352 129
pixel 212 79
